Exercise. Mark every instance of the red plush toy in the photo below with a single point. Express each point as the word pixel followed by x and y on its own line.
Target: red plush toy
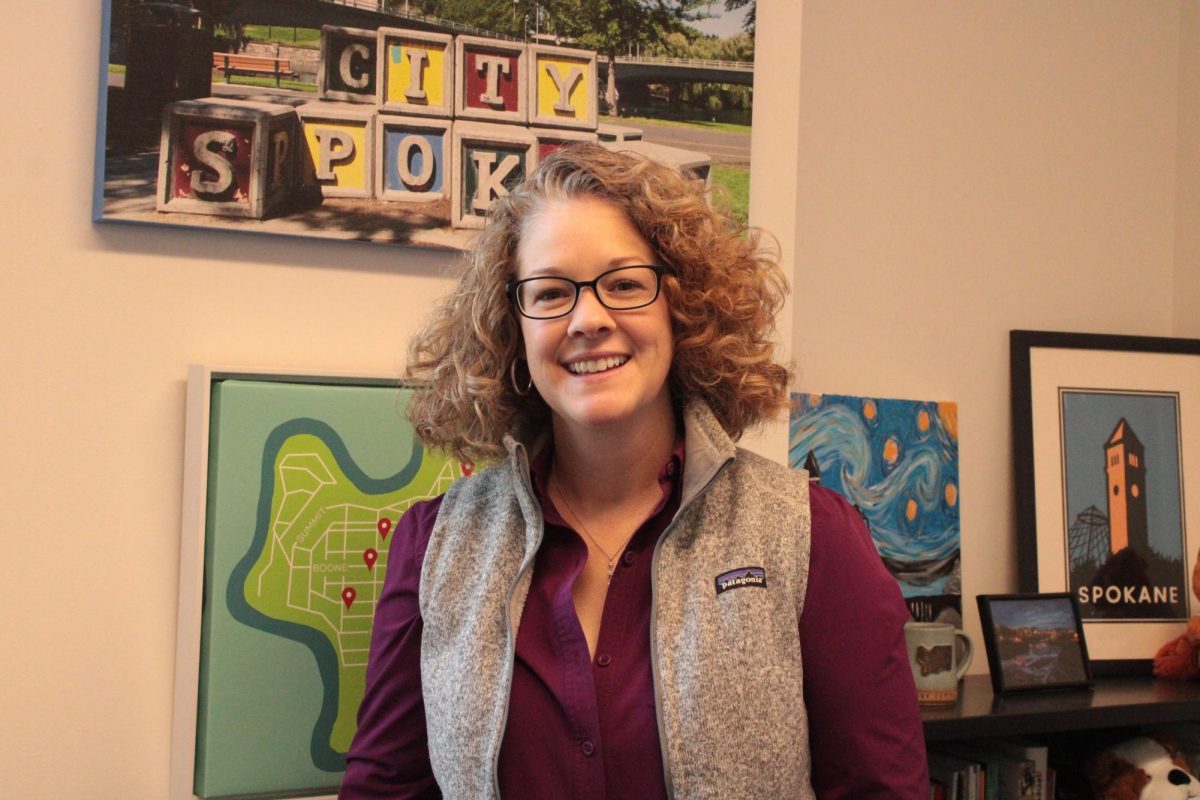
pixel 1179 658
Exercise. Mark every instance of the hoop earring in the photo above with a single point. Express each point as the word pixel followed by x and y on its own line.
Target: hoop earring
pixel 512 377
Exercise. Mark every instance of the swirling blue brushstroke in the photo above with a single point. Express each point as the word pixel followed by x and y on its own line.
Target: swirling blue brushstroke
pixel 848 445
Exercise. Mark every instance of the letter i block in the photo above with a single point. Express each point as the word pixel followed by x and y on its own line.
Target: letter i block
pixel 227 157
pixel 488 162
pixel 413 163
pixel 337 158
pixel 416 72
pixel 347 66
pixel 551 141
pixel 562 87
pixel 490 81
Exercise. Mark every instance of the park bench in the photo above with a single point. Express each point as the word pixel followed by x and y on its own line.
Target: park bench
pixel 241 64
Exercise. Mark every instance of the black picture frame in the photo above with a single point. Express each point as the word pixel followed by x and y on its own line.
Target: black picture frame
pixel 1034 642
pixel 1044 366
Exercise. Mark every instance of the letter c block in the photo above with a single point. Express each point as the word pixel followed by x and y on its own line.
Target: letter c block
pixel 489 80
pixel 413 163
pixel 347 67
pixel 562 87
pixel 226 157
pixel 416 72
pixel 337 153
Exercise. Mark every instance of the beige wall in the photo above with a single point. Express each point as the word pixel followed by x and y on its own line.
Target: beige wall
pixel 1187 210
pixel 960 169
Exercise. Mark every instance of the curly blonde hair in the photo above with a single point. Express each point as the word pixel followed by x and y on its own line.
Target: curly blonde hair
pixel 723 290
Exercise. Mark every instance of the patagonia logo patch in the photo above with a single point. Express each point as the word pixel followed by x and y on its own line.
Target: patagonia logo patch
pixel 743 576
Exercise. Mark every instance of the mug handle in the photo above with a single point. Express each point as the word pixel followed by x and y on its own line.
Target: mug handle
pixel 968 652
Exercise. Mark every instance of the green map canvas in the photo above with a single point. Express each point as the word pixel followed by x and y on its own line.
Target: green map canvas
pixel 306 482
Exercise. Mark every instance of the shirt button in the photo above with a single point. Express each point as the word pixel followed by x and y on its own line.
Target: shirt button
pixel 629 557
pixel 604 660
pixel 588 748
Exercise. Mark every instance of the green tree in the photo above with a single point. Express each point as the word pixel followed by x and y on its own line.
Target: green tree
pixel 611 27
pixel 751 15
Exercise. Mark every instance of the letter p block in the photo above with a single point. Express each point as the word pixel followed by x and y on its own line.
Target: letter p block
pixel 228 157
pixel 562 87
pixel 337 158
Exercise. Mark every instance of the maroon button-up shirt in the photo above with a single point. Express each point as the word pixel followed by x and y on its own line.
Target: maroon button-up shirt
pixel 587 728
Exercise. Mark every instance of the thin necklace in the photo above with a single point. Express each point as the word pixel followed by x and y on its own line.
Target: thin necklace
pixel 612 558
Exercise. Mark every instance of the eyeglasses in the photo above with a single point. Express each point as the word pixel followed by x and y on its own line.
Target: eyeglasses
pixel 620 289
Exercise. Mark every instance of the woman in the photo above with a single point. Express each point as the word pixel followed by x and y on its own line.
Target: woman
pixel 626 604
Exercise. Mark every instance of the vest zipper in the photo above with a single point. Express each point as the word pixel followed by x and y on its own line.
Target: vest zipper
pixel 654 659
pixel 511 639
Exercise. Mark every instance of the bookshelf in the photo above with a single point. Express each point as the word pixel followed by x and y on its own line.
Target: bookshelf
pixel 1116 702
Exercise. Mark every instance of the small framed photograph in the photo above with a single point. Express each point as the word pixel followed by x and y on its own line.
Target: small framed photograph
pixel 1034 642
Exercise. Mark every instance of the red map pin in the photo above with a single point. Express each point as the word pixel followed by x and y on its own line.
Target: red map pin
pixel 370 556
pixel 348 595
pixel 467 468
pixel 384 526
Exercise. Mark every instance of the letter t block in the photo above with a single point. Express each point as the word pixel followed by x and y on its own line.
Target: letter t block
pixel 489 78
pixel 229 157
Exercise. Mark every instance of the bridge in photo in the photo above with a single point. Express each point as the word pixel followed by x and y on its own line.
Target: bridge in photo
pixel 661 69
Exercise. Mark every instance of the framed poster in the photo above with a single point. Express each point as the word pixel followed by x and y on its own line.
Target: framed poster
pixel 292 486
pixel 896 461
pixel 1106 442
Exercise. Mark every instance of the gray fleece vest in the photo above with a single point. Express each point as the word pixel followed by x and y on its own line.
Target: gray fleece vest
pixel 727 673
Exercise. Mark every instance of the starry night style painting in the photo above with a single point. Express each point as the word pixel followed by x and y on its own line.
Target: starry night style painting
pixel 1123 504
pixel 896 461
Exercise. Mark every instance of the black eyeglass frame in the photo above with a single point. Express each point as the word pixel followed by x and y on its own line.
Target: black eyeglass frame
pixel 511 288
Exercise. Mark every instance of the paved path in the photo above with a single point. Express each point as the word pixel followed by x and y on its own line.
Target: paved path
pixel 728 148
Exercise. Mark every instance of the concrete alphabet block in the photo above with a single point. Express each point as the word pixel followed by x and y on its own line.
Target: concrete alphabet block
pixel 490 82
pixel 416 72
pixel 413 162
pixel 562 87
pixel 618 133
pixel 338 148
pixel 228 157
pixel 347 67
pixel 551 141
pixel 692 163
pixel 488 161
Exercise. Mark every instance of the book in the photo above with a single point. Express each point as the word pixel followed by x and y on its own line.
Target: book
pixel 1009 777
pixel 1035 752
pixel 958 775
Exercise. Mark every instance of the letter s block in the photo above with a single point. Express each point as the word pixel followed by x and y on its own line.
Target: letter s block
pixel 338 149
pixel 228 157
pixel 347 67
pixel 562 87
pixel 489 80
pixel 488 162
pixel 416 72
pixel 413 162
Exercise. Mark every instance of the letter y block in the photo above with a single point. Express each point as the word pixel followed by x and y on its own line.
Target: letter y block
pixel 562 87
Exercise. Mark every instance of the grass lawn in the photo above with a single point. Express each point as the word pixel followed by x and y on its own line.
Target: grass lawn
pixel 299 37
pixel 264 80
pixel 728 127
pixel 731 190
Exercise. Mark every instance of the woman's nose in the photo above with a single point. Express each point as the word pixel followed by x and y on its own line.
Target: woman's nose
pixel 589 316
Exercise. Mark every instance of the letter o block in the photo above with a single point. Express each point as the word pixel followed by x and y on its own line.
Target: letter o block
pixel 562 87
pixel 338 151
pixel 347 67
pixel 228 157
pixel 489 80
pixel 488 162
pixel 413 162
pixel 416 72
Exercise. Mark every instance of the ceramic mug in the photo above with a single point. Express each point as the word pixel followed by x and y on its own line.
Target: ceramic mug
pixel 937 664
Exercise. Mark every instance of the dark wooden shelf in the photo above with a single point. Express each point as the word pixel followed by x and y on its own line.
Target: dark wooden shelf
pixel 1112 703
